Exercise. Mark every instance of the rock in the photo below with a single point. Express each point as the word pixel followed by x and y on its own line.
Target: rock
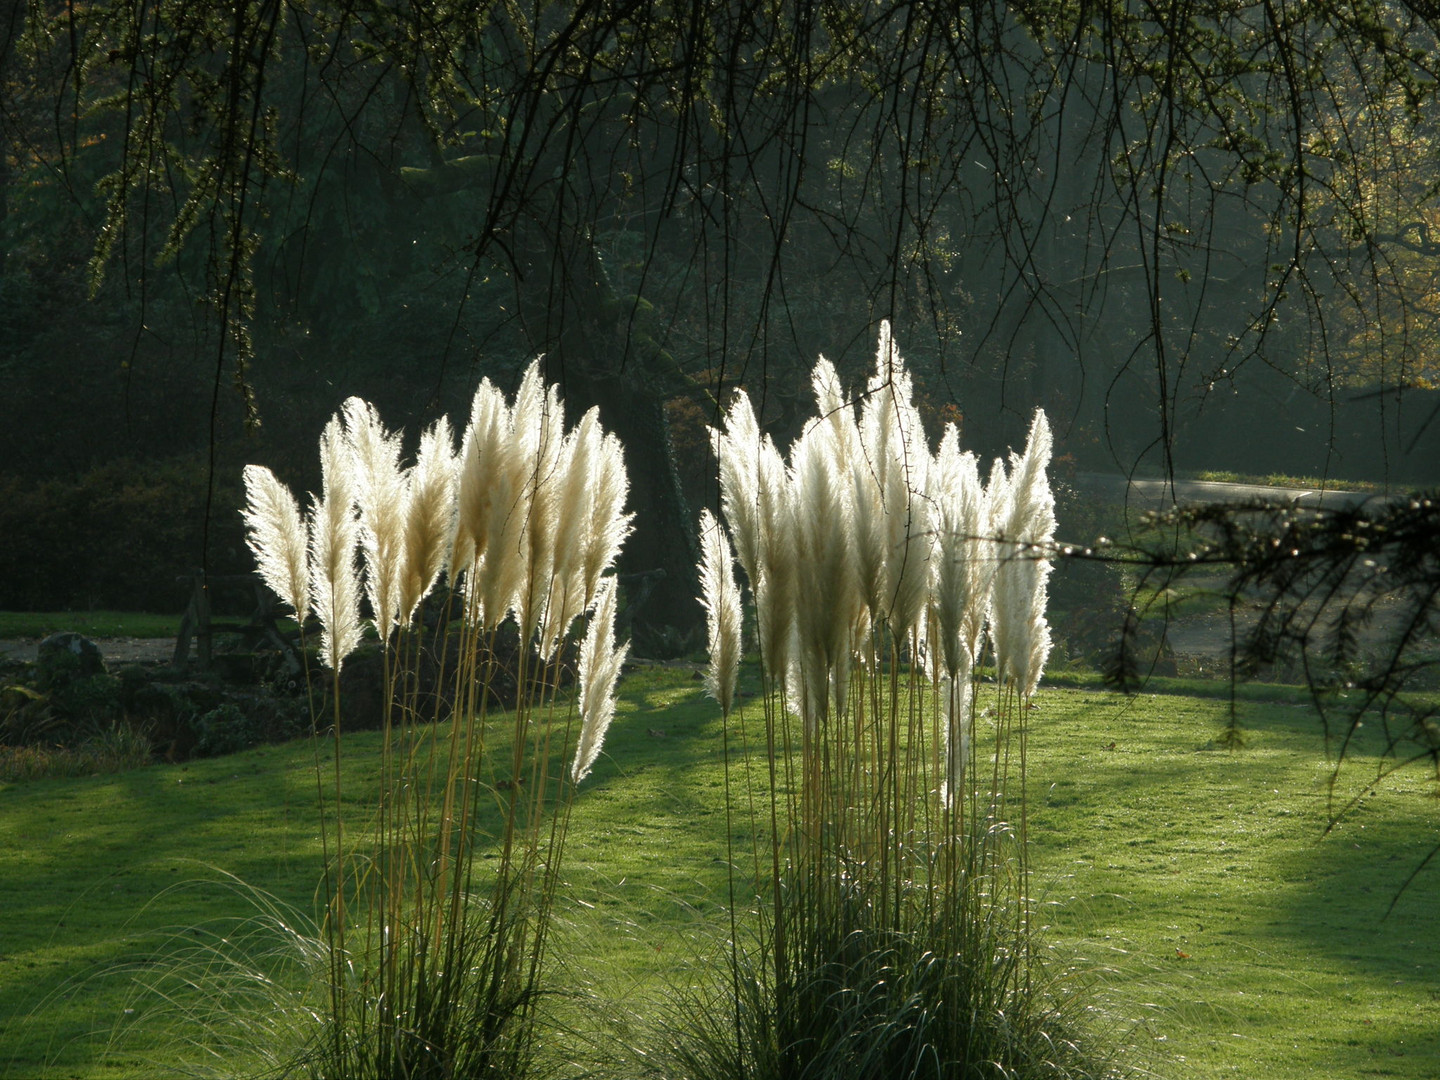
pixel 67 656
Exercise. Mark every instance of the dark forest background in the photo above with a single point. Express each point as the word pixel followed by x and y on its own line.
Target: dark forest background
pixel 1197 234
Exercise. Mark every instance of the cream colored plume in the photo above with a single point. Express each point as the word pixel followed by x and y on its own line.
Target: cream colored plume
pixel 737 448
pixel 496 578
pixel 755 495
pixel 720 596
pixel 334 535
pixel 575 496
pixel 963 566
pixel 1027 529
pixel 600 664
pixel 478 469
pixel 539 431
pixel 609 525
pixel 275 532
pixel 381 496
pixel 774 591
pixel 896 455
pixel 430 519
pixel 828 595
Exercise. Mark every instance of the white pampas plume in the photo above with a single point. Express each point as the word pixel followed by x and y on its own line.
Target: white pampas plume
pixel 846 458
pixel 499 569
pixel 486 437
pixel 962 572
pixel 381 495
pixel 774 589
pixel 989 552
pixel 430 517
pixel 737 449
pixel 830 403
pixel 828 595
pixel 334 534
pixel 539 429
pixel 894 445
pixel 964 569
pixel 871 538
pixel 574 498
pixel 1020 628
pixel 600 663
pixel 609 525
pixel 275 532
pixel 720 596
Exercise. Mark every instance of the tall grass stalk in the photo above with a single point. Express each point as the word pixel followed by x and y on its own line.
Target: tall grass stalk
pixel 438 897
pixel 888 797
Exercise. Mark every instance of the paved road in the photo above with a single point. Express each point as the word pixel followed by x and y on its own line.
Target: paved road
pixel 1158 495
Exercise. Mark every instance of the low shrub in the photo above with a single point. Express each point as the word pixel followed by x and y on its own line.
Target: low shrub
pixel 116 536
pixel 115 749
pixel 224 730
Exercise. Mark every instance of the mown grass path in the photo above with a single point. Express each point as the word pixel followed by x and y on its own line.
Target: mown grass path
pixel 1222 934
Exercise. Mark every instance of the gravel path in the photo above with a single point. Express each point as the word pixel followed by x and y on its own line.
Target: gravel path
pixel 119 650
pixel 1158 495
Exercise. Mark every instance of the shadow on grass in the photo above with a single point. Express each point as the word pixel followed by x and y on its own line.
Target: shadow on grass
pixel 88 866
pixel 1210 874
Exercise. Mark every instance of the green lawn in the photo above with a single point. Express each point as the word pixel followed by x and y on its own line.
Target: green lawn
pixel 27 624
pixel 1219 932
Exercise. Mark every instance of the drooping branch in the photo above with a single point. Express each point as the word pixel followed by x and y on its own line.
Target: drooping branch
pixel 1414 236
pixel 1350 595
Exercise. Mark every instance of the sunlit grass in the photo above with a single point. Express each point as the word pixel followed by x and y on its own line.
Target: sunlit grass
pixel 28 624
pixel 1313 483
pixel 1147 844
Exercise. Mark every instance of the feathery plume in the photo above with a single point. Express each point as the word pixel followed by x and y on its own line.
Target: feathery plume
pixel 737 448
pixel 720 596
pixel 430 517
pixel 826 573
pixel 600 663
pixel 485 436
pixel 960 586
pixel 774 586
pixel 846 457
pixel 830 403
pixel 381 496
pixel 334 534
pixel 275 532
pixel 867 505
pixel 894 444
pixel 1021 631
pixel 497 576
pixel 539 428
pixel 573 498
pixel 609 525
pixel 846 454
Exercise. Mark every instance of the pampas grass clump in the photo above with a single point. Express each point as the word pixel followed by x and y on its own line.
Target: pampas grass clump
pixel 889 869
pixel 434 968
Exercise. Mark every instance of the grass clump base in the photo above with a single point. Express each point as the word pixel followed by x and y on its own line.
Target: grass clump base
pixel 937 1003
